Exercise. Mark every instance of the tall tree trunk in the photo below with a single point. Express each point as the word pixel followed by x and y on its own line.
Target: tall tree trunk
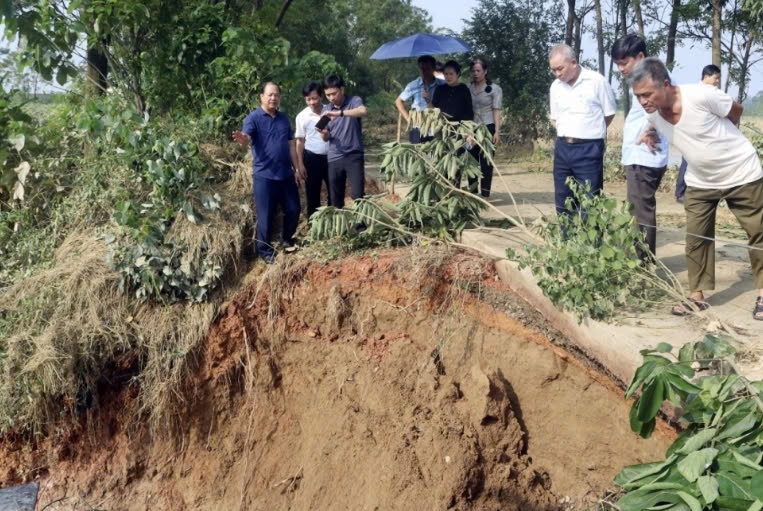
pixel 617 35
pixel 744 70
pixel 599 35
pixel 97 72
pixel 624 30
pixel 639 16
pixel 577 36
pixel 670 57
pixel 717 12
pixel 570 27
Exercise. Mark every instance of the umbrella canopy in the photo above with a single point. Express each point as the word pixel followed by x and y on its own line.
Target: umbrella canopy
pixel 420 44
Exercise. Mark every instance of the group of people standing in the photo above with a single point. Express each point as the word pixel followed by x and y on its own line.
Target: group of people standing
pixel 329 152
pixel 480 101
pixel 698 119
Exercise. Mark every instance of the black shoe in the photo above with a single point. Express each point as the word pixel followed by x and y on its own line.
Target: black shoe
pixel 269 258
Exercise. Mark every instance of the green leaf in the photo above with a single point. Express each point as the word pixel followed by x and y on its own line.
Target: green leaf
pixel 664 347
pixel 731 485
pixel 756 485
pixel 756 506
pixel 686 353
pixel 695 464
pixel 17 142
pixel 708 486
pixel 634 476
pixel 697 441
pixel 642 373
pixel 650 401
pixel 693 503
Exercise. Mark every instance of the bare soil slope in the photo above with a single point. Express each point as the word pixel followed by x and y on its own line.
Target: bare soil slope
pixel 409 379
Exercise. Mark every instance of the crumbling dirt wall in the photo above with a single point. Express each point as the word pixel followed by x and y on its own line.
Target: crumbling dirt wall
pixel 409 379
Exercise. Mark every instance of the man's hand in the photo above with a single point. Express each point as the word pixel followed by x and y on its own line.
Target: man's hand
pixel 300 174
pixel 497 137
pixel 325 135
pixel 333 114
pixel 651 138
pixel 241 138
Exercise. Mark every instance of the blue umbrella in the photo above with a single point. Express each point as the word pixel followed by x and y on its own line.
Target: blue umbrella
pixel 420 44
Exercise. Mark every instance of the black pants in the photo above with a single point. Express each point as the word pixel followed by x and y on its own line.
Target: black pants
pixel 349 166
pixel 317 166
pixel 485 167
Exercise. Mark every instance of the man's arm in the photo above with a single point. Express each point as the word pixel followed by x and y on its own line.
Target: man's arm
pixel 400 104
pixel 735 114
pixel 300 148
pixel 358 111
pixel 299 173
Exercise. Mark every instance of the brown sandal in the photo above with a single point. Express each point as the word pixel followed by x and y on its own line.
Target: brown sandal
pixel 691 305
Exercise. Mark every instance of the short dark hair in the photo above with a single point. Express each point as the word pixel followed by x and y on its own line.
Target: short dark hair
pixel 333 81
pixel 651 68
pixel 710 70
pixel 427 59
pixel 312 87
pixel 628 46
pixel 265 86
pixel 453 65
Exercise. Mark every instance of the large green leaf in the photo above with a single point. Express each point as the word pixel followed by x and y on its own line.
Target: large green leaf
pixel 697 441
pixel 695 464
pixel 650 401
pixel 756 485
pixel 732 485
pixel 635 476
pixel 708 486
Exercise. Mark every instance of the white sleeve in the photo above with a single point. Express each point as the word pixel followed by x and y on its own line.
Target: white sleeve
pixel 607 98
pixel 299 132
pixel 717 101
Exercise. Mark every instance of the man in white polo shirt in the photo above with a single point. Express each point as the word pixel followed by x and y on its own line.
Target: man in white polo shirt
pixel 723 165
pixel 644 167
pixel 312 150
pixel 582 106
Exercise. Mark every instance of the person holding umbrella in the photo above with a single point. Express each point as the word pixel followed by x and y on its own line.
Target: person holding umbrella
pixel 419 92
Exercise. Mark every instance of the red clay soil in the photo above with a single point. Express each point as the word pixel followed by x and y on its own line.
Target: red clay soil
pixel 410 379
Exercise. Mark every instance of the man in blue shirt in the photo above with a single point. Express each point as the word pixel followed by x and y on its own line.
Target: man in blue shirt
pixel 345 136
pixel 276 171
pixel 420 92
pixel 644 166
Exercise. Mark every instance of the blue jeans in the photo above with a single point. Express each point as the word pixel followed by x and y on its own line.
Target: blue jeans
pixel 268 195
pixel 584 162
pixel 681 181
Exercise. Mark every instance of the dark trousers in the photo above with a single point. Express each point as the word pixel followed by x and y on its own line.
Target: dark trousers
pixel 349 166
pixel 584 162
pixel 317 166
pixel 268 195
pixel 487 169
pixel 414 137
pixel 642 183
pixel 681 181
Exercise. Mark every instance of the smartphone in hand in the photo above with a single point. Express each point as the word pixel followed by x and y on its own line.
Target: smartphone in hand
pixel 322 122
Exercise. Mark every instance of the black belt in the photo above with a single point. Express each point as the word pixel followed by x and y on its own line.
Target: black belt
pixel 573 140
pixel 315 154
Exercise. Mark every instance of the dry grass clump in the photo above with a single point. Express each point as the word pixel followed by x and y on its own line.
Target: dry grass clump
pixel 64 328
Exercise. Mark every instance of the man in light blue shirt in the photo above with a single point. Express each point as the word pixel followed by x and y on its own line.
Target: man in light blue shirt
pixel 644 167
pixel 420 92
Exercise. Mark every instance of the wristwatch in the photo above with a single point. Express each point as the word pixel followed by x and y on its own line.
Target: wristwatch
pixel 341 112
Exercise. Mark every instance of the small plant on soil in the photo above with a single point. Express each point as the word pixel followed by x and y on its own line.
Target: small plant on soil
pixel 589 264
pixel 715 463
pixel 435 206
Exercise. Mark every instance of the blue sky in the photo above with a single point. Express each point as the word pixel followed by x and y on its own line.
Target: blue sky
pixel 689 59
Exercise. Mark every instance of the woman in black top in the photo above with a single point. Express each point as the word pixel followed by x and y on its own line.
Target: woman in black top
pixel 453 98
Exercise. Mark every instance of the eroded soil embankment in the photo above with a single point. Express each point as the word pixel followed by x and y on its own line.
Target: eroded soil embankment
pixel 411 380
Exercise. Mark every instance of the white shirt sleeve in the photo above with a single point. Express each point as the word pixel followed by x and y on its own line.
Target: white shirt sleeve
pixel 717 102
pixel 553 107
pixel 299 132
pixel 607 98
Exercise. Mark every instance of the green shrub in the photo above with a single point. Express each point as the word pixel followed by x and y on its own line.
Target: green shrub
pixel 589 262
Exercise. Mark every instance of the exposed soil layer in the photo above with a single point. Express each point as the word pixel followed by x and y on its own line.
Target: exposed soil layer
pixel 410 379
